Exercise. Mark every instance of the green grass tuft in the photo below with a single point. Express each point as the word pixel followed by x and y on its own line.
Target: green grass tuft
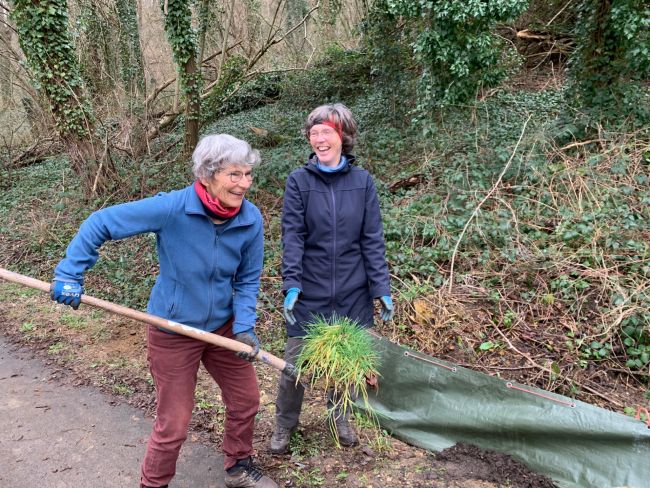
pixel 339 355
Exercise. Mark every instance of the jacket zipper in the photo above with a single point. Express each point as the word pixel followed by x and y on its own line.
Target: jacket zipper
pixel 217 237
pixel 214 270
pixel 333 259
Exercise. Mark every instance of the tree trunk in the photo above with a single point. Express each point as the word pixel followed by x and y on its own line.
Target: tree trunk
pixel 597 60
pixel 182 38
pixel 94 171
pixel 50 52
pixel 193 108
pixel 204 12
pixel 6 73
pixel 131 61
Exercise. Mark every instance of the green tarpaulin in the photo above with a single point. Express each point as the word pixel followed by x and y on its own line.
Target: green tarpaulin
pixel 433 404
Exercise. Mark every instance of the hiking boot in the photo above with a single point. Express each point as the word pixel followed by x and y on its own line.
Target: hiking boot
pixel 342 429
pixel 245 474
pixel 280 439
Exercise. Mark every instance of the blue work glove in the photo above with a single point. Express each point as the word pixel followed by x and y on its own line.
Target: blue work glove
pixel 251 339
pixel 387 311
pixel 66 292
pixel 289 302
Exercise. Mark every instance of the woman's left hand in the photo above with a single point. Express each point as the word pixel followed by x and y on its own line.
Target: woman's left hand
pixel 251 339
pixel 387 310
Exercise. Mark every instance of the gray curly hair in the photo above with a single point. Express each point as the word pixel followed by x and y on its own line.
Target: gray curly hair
pixel 339 115
pixel 214 152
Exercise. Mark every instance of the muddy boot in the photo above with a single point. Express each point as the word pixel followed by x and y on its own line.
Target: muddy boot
pixel 245 474
pixel 280 439
pixel 342 430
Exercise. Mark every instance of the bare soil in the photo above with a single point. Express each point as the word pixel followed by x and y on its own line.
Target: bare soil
pixel 90 347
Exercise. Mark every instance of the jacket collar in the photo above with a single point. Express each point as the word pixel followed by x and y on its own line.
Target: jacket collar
pixel 311 165
pixel 193 206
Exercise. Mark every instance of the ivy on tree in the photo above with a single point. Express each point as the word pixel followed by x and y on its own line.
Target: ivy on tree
pixel 44 38
pixel 182 38
pixel 454 44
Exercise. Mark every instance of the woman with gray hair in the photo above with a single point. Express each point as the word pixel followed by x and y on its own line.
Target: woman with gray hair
pixel 210 244
pixel 333 260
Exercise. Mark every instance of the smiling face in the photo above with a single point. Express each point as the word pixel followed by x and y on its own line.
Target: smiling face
pixel 229 185
pixel 326 143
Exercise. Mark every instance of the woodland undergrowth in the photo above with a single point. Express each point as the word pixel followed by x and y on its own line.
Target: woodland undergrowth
pixel 518 239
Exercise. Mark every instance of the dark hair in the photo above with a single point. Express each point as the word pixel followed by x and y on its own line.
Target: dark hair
pixel 339 115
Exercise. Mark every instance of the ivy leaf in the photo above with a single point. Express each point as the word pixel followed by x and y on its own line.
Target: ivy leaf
pixel 555 368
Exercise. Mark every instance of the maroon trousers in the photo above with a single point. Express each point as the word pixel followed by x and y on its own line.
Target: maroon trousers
pixel 174 362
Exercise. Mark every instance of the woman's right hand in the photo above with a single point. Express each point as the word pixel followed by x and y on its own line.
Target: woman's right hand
pixel 66 292
pixel 289 302
pixel 248 337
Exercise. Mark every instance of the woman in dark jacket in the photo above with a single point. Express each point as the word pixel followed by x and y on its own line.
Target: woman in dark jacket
pixel 333 259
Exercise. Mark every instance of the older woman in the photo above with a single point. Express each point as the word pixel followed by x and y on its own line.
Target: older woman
pixel 333 259
pixel 210 247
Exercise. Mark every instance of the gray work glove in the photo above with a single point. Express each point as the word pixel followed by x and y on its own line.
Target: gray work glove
pixel 251 339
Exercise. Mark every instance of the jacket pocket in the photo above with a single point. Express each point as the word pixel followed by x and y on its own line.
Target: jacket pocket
pixel 176 300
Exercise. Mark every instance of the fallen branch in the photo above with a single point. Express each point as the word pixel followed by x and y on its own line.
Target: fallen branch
pixel 559 12
pixel 578 144
pixel 630 372
pixel 167 120
pixel 40 150
pixel 526 34
pixel 478 207
pixel 550 371
pixel 408 182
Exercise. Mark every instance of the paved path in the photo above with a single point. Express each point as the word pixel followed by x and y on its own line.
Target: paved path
pixel 59 436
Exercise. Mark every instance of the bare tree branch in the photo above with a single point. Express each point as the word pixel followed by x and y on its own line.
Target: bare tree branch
pixel 478 207
pixel 169 117
pixel 273 41
pixel 154 94
pixel 226 32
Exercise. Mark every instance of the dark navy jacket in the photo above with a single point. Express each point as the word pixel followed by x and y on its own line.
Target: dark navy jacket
pixel 333 244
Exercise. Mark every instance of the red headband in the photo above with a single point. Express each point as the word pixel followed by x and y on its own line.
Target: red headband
pixel 334 126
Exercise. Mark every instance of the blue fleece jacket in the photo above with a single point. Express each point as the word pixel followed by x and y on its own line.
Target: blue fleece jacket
pixel 208 272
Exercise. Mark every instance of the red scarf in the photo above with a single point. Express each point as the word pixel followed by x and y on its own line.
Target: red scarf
pixel 213 206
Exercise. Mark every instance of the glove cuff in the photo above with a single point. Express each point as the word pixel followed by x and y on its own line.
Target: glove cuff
pixel 68 280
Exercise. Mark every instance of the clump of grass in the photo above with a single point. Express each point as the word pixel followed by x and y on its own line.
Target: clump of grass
pixel 338 355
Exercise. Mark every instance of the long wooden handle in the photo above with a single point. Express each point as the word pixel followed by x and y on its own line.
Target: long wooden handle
pixel 170 325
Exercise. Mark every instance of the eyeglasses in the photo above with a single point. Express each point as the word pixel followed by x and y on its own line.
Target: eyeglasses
pixel 313 134
pixel 236 176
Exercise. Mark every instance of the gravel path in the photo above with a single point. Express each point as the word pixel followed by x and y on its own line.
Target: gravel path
pixel 55 435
